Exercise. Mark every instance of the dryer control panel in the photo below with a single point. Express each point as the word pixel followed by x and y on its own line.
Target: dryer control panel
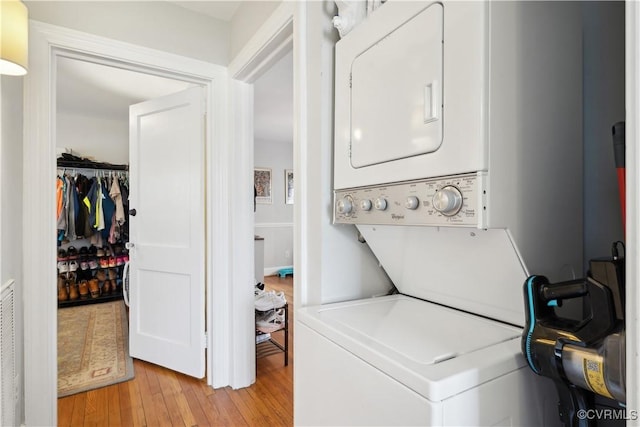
pixel 447 201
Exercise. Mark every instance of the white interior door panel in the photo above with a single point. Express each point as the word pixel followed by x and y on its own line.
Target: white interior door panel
pixel 167 270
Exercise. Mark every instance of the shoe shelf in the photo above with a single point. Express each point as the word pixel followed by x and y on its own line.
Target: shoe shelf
pixel 267 346
pixel 106 286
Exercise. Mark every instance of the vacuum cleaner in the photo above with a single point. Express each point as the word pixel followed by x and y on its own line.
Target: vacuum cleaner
pixel 585 357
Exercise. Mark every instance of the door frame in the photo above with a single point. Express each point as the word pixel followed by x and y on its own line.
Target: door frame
pixel 273 40
pixel 47 43
pixel 632 251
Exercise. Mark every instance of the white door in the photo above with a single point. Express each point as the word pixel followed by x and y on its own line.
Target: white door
pixel 167 267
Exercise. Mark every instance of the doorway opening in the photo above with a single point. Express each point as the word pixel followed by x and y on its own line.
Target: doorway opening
pixel 274 184
pixel 49 44
pixel 92 122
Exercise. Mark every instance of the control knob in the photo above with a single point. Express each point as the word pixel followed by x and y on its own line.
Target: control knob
pixel 448 200
pixel 380 204
pixel 344 206
pixel 365 204
pixel 412 203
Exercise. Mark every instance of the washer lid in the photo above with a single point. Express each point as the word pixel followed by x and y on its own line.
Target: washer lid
pixel 436 351
pixel 417 331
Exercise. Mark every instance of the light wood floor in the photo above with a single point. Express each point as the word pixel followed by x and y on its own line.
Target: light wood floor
pixel 160 397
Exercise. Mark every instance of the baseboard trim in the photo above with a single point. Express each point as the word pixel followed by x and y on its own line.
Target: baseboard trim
pixel 272 271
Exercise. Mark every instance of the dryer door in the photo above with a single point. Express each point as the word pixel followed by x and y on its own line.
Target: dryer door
pixel 397 92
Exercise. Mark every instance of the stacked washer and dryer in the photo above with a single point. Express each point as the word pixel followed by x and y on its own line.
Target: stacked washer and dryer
pixel 458 158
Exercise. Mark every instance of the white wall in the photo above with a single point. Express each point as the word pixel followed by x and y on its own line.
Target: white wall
pixel 604 105
pixel 333 266
pixel 104 139
pixel 274 221
pixel 155 24
pixel 11 202
pixel 247 19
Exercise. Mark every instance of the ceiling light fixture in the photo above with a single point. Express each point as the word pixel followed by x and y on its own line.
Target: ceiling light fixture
pixel 14 37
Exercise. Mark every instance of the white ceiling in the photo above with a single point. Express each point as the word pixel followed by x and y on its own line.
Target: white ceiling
pixel 89 89
pixel 85 88
pixel 223 10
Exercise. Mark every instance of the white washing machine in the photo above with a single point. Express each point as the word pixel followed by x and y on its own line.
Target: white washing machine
pixel 400 361
pixel 458 157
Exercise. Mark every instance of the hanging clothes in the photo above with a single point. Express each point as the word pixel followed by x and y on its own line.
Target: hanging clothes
pixel 91 202
pixel 59 196
pixel 116 196
pixel 108 210
pixel 85 208
pixel 99 212
pixel 70 209
pixel 83 228
pixel 124 189
pixel 61 221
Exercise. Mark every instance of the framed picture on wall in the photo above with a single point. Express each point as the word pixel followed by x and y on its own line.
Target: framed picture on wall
pixel 262 182
pixel 288 186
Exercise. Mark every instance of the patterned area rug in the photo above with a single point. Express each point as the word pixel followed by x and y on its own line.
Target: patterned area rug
pixel 93 347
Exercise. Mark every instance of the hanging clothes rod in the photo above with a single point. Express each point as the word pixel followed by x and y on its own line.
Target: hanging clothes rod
pixel 92 171
pixel 87 164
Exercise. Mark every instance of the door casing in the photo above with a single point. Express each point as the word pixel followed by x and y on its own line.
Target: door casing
pixel 47 43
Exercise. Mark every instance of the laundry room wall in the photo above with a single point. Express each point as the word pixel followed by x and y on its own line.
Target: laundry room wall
pixel 156 24
pixel 11 217
pixel 604 105
pixel 247 19
pixel 338 267
pixel 274 222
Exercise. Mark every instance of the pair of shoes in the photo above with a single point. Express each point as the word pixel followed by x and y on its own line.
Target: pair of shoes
pixel 258 288
pixel 101 275
pixel 73 265
pixel 83 289
pixel 107 287
pixel 73 289
pixel 113 274
pixel 268 300
pixel 63 292
pixel 271 321
pixel 262 337
pixel 94 289
pixel 63 266
pixel 72 252
pixel 62 255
